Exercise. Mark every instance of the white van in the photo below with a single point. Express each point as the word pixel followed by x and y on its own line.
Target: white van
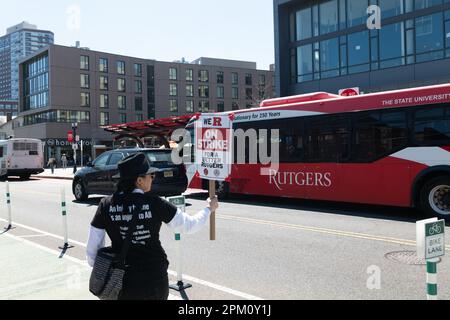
pixel 21 157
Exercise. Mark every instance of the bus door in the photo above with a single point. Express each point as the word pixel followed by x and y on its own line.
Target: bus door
pixel 3 156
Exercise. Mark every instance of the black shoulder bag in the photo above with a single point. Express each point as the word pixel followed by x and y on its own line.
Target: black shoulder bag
pixel 106 279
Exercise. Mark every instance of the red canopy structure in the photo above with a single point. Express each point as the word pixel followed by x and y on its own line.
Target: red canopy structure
pixel 161 128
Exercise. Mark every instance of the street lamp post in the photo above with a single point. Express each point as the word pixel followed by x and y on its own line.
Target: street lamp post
pixel 74 146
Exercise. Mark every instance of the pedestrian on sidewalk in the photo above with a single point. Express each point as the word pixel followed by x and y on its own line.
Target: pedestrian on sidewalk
pixel 146 262
pixel 64 161
pixel 51 163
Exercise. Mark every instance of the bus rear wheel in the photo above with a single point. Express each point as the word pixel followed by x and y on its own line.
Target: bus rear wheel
pixel 435 198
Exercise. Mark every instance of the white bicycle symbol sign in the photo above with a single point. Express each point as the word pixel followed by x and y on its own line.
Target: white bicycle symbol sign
pixel 435 229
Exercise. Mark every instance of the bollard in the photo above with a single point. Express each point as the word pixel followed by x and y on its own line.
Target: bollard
pixel 64 216
pixel 179 202
pixel 430 239
pixel 8 203
pixel 432 280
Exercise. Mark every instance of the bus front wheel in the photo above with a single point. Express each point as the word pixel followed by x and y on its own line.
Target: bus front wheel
pixel 435 198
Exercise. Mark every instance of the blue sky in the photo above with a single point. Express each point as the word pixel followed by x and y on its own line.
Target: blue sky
pixel 155 29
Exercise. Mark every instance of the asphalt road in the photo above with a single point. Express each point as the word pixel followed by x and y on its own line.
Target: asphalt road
pixel 267 248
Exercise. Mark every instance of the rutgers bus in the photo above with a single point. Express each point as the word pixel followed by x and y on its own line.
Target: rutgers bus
pixel 389 148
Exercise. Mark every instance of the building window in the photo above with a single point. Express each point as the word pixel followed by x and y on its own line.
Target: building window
pixel 189 75
pixel 173 105
pixel 120 67
pixel 304 63
pixel 249 93
pixel 422 4
pixel 137 70
pixel 85 99
pixel 103 83
pixel 203 75
pixel 84 62
pixel 189 106
pixel 220 106
pixel 248 79
pixel 138 86
pixel 303 25
pixel 139 117
pixel 329 16
pixel 391 8
pixel 123 117
pixel 392 46
pixel 203 91
pixel 234 106
pixel 122 102
pixel 358 52
pixel 104 101
pixel 429 37
pixel 104 118
pixel 234 78
pixel 357 12
pixel 203 106
pixel 84 81
pixel 220 77
pixel 329 60
pixel 189 90
pixel 121 87
pixel 103 65
pixel 138 103
pixel 173 89
pixel 220 92
pixel 235 93
pixel 262 79
pixel 172 74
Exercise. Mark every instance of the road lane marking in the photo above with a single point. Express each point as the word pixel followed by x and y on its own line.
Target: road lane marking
pixel 323 230
pixel 217 287
pixel 187 277
pixel 33 236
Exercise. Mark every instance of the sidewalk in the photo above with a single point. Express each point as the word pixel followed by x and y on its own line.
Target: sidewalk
pixel 33 272
pixel 65 174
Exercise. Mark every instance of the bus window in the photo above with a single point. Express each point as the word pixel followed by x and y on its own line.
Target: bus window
pixel 328 140
pixel 1 152
pixel 378 134
pixel 432 126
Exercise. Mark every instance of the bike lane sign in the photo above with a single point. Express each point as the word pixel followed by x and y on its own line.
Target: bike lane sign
pixel 430 238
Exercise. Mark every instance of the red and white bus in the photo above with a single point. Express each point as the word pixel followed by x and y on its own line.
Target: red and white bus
pixel 388 148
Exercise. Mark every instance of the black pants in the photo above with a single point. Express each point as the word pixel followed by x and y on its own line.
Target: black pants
pixel 139 284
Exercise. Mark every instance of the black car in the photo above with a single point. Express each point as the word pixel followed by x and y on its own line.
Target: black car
pixel 97 177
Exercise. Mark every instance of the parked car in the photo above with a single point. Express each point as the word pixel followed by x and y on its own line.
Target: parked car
pixel 97 177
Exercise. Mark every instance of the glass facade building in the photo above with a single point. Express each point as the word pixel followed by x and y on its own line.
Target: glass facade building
pixel 20 41
pixel 324 45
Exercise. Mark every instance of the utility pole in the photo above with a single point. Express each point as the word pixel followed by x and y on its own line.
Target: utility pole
pixel 74 146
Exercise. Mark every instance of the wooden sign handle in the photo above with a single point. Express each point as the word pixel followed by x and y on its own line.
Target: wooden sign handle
pixel 212 218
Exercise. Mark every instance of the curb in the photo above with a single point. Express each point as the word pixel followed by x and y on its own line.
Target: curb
pixel 53 177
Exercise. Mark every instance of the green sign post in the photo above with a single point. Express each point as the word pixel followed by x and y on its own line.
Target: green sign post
pixel 180 203
pixel 430 246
